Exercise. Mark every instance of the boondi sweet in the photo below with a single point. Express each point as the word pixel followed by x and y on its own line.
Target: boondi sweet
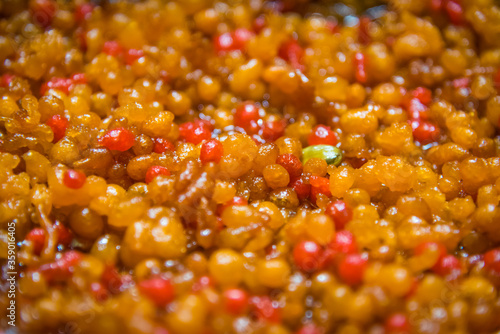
pixel 268 167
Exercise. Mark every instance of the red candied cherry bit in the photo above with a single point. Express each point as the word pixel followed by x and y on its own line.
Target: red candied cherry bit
pixel 363 35
pixel 6 79
pixel 259 23
pixel 235 301
pixel 455 12
pixel 431 248
pixel 203 283
pixel 43 12
pixel 423 94
pixel 119 139
pixel 59 125
pixel 247 117
pixel 64 235
pixel 162 145
pixel 436 5
pixel 352 268
pixel 310 329
pixel 322 135
pixel 79 78
pixel 447 265
pixel 211 151
pixel 37 238
pixel 111 279
pixel 301 187
pixel 160 291
pixel 61 84
pixel 492 260
pixel 112 48
pixel 154 171
pixel 291 163
pixel 195 132
pixel 344 242
pixel 223 43
pixel 83 12
pixel 241 36
pixel 307 255
pixel 272 130
pixel 265 309
pixel 397 323
pixel 340 212
pixel 417 110
pixel 74 179
pixel 360 67
pixel 461 83
pixel 99 292
pixel 425 132
pixel 320 185
pixel 292 52
pixel 62 268
pixel 132 55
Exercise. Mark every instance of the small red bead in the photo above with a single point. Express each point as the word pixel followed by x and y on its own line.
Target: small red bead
pixel 397 323
pixel 79 78
pixel 154 171
pixel 223 43
pixel 195 132
pixel 425 132
pixel 6 79
pixel 259 23
pixel 319 185
pixel 322 135
pixel 301 187
pixel 423 94
pixel 492 260
pixel 291 163
pixel 62 269
pixel 83 12
pixel 264 309
pixel 62 84
pixel 235 301
pixel 119 139
pixel 247 117
pixel 203 283
pixel 455 12
pixel 352 268
pixel 99 292
pixel 211 151
pixel 340 212
pixel 162 145
pixel 132 55
pixel 59 125
pixel 309 329
pixel 272 130
pixel 74 179
pixel 241 36
pixel 112 280
pixel 461 83
pixel 360 67
pixel 447 265
pixel 112 48
pixel 344 242
pixel 436 5
pixel 159 290
pixel 37 238
pixel 292 52
pixel 363 35
pixel 417 110
pixel 307 255
pixel 43 12
pixel 64 235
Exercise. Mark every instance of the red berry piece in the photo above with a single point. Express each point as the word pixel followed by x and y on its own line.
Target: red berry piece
pixel 112 280
pixel 195 132
pixel 43 12
pixel 241 36
pixel 119 139
pixel 6 79
pixel 259 23
pixel 292 52
pixel 74 179
pixel 132 55
pixel 461 83
pixel 319 185
pixel 455 12
pixel 307 255
pixel 344 242
pixel 322 135
pixel 211 151
pixel 363 30
pixel 37 238
pixel 62 84
pixel 340 212
pixel 436 5
pixel 223 43
pixel 247 116
pixel 272 130
pixel 301 187
pixel 235 301
pixel 154 171
pixel 59 125
pixel 62 269
pixel 203 283
pixel 423 94
pixel 64 235
pixel 492 260
pixel 83 12
pixel 79 78
pixel 112 48
pixel 417 110
pixel 447 265
pixel 159 290
pixel 291 163
pixel 162 145
pixel 352 268
pixel 360 67
pixel 397 323
pixel 265 309
pixel 425 132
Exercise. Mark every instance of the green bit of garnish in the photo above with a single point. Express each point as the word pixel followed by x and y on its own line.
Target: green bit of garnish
pixel 331 154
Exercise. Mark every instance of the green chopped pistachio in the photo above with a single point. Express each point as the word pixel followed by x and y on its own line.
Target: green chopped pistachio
pixel 331 154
